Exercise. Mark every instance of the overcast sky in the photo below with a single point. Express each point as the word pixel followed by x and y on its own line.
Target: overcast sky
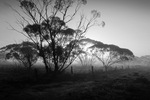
pixel 127 24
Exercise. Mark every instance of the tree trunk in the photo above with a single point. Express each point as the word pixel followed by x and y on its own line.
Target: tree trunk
pixel 92 68
pixel 29 65
pixel 106 68
pixel 72 70
pixel 56 70
pixel 45 63
pixel 41 53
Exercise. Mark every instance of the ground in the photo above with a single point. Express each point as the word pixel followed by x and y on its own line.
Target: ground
pixel 123 84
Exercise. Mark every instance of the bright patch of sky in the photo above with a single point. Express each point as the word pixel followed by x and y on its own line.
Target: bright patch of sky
pixel 127 24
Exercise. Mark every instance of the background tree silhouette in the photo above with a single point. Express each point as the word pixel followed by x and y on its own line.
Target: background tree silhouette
pixel 25 53
pixel 45 23
pixel 86 59
pixel 108 54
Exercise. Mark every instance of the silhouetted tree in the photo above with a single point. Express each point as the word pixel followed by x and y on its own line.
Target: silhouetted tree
pixel 108 54
pixel 25 53
pixel 45 23
pixel 86 59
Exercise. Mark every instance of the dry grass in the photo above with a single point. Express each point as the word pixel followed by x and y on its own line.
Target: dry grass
pixel 122 84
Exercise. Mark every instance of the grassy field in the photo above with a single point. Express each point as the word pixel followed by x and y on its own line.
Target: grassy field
pixel 16 83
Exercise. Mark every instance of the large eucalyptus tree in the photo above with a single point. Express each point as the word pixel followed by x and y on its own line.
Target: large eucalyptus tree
pixel 46 24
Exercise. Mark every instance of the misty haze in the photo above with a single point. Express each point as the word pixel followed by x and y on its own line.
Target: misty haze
pixel 74 50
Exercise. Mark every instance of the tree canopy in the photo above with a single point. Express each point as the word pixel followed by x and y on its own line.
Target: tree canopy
pixel 108 54
pixel 24 53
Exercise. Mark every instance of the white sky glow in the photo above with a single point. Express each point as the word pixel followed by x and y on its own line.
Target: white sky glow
pixel 127 24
